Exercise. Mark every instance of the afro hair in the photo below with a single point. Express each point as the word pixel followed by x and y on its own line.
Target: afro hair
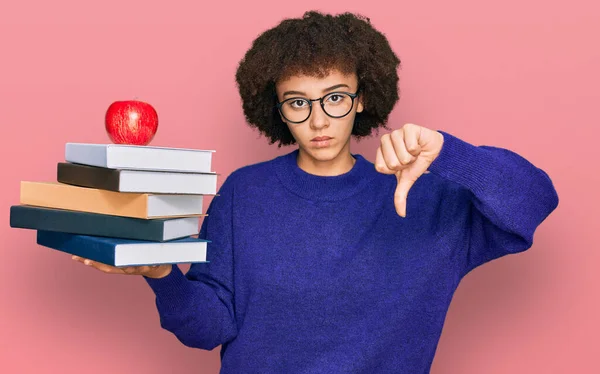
pixel 314 45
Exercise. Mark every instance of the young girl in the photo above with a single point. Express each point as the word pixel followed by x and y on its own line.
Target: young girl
pixel 320 261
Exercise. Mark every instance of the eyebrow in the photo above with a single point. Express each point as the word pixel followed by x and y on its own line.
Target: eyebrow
pixel 325 90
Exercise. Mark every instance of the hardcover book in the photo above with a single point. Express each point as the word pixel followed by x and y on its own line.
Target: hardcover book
pixel 84 223
pixel 125 252
pixel 137 157
pixel 92 200
pixel 122 180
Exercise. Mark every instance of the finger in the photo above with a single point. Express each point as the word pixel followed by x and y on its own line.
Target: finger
pixel 412 134
pixel 98 265
pixel 389 154
pixel 135 270
pixel 380 165
pixel 406 179
pixel 103 267
pixel 398 142
pixel 131 269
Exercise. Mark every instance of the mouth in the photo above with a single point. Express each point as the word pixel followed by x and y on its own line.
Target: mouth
pixel 321 141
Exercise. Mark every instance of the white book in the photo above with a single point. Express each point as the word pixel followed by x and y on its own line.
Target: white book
pixel 137 157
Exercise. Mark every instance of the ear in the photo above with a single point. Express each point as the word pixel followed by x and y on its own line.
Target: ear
pixel 360 106
pixel 282 118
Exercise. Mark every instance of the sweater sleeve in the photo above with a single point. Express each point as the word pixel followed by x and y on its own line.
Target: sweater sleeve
pixel 198 307
pixel 510 197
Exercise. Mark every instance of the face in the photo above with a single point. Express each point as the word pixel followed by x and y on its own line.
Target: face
pixel 320 137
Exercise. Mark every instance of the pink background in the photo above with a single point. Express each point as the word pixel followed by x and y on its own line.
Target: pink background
pixel 523 75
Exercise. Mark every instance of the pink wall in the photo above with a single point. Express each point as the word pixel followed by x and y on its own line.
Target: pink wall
pixel 519 74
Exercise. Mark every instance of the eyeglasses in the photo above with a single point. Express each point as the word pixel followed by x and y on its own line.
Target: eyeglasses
pixel 334 104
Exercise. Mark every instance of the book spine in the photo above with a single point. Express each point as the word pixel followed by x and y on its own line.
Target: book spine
pixel 78 245
pixel 88 176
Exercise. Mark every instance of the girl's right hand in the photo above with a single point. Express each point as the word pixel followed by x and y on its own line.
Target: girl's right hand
pixel 150 271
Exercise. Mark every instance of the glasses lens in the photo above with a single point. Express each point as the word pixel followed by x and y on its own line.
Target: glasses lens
pixel 296 110
pixel 337 104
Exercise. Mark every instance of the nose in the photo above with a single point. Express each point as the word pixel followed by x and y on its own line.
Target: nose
pixel 318 118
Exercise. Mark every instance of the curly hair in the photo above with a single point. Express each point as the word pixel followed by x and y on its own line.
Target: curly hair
pixel 313 45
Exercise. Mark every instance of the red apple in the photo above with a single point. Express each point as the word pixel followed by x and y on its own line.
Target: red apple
pixel 131 122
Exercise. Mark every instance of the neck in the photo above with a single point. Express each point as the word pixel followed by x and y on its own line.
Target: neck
pixel 324 188
pixel 340 164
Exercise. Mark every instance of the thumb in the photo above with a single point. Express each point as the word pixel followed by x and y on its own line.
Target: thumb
pixel 400 195
pixel 406 178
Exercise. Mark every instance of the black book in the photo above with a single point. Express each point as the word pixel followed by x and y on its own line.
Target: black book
pixel 140 181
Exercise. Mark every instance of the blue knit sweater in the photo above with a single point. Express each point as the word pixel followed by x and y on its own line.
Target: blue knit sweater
pixel 313 274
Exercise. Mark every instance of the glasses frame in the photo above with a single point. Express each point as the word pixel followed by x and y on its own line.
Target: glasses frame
pixel 320 100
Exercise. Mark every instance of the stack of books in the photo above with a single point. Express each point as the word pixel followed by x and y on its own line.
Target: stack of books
pixel 122 205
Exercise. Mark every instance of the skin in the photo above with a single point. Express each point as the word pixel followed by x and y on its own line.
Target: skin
pixel 334 159
pixel 406 152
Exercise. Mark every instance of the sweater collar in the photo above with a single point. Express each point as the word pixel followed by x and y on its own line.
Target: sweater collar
pixel 323 188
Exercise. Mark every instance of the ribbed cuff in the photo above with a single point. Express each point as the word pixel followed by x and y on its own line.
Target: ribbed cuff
pixel 173 290
pixel 463 163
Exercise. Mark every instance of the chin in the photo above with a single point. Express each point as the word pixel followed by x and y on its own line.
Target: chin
pixel 324 154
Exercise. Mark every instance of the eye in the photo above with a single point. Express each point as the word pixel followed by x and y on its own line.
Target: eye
pixel 297 104
pixel 336 98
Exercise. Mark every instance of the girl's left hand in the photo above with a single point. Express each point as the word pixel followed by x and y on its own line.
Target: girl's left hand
pixel 407 152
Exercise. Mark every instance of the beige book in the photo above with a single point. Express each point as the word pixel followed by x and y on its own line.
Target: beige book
pixel 125 204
